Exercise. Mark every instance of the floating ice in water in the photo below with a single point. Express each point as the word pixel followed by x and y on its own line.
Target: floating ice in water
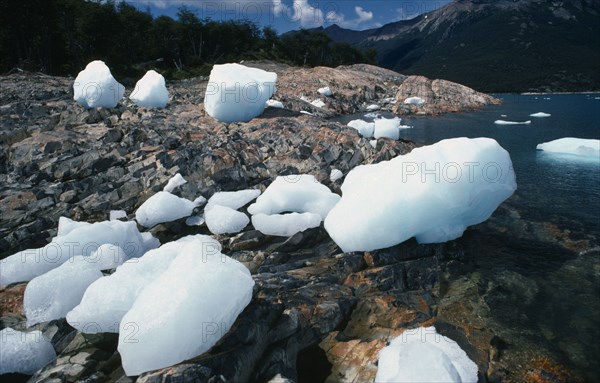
pixel 570 145
pixel 388 127
pixel 318 103
pixel 414 101
pixel 372 115
pixel 55 293
pixel 503 122
pixel 326 91
pixel 295 193
pixel 234 200
pixel 275 104
pixel 175 181
pixel 539 114
pixel 163 207
pixel 432 193
pixel 335 175
pixel 423 355
pixel 212 290
pixel 151 91
pixel 373 107
pixel 503 115
pixel 194 220
pixel 24 352
pixel 364 128
pixel 96 87
pixel 224 220
pixel 236 93
pixel 75 238
pixel 107 299
pixel 285 225
pixel 117 214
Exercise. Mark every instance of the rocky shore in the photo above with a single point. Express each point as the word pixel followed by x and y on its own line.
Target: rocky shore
pixel 317 314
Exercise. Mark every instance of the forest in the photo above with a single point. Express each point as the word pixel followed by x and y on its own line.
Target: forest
pixel 60 37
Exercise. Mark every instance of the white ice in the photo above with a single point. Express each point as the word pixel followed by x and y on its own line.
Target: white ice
pixel 116 215
pixel 373 107
pixel 107 300
pixel 373 143
pixel 236 93
pixel 305 112
pixel 275 104
pixel 335 175
pixel 503 122
pixel 388 128
pixel 96 87
pixel 24 352
pixel 318 103
pixel 576 146
pixel 414 101
pixel 234 200
pixel 432 193
pixel 285 225
pixel 372 115
pixel 295 193
pixel 364 128
pixel 224 220
pixel 540 114
pixel 163 328
pixel 174 182
pixel 163 207
pixel 326 91
pixel 75 238
pixel 194 220
pixel 151 91
pixel 423 355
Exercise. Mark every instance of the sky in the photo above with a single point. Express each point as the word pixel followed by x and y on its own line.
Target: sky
pixel 286 15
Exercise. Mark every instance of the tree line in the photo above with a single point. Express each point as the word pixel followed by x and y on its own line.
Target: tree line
pixel 60 37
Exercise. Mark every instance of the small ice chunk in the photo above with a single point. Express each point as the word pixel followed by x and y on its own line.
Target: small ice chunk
pixel 96 87
pixel 540 115
pixel 372 115
pixel 275 104
pixel 414 101
pixel 576 146
pixel 225 220
pixel 387 127
pixel 318 103
pixel 194 220
pixel 151 91
pixel 163 207
pixel 503 122
pixel 117 214
pixel 423 355
pixel 364 128
pixel 66 225
pixel 326 91
pixel 175 181
pixel 335 175
pixel 305 112
pixel 24 352
pixel 285 225
pixel 373 107
pixel 236 93
pixel 295 193
pixel 212 289
pixel 503 115
pixel 200 201
pixel 373 143
pixel 234 200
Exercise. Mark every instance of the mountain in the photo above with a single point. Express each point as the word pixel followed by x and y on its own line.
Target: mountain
pixel 497 45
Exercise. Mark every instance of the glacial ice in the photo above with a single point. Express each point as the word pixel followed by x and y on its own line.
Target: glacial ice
pixel 174 182
pixel 423 355
pixel 223 219
pixel 432 193
pixel 236 93
pixel 318 103
pixel 162 328
pixel 373 107
pixel 275 104
pixel 150 91
pixel 540 114
pixel 285 225
pixel 106 301
pixel 234 200
pixel 295 193
pixel 335 175
pixel 503 122
pixel 163 207
pixel 194 220
pixel 326 91
pixel 116 215
pixel 96 87
pixel 364 128
pixel 414 101
pixel 74 238
pixel 24 352
pixel 388 127
pixel 576 146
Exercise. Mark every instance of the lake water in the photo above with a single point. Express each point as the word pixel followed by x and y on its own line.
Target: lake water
pixel 545 295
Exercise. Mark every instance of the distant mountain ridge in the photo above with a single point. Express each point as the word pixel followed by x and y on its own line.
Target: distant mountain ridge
pixel 493 45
